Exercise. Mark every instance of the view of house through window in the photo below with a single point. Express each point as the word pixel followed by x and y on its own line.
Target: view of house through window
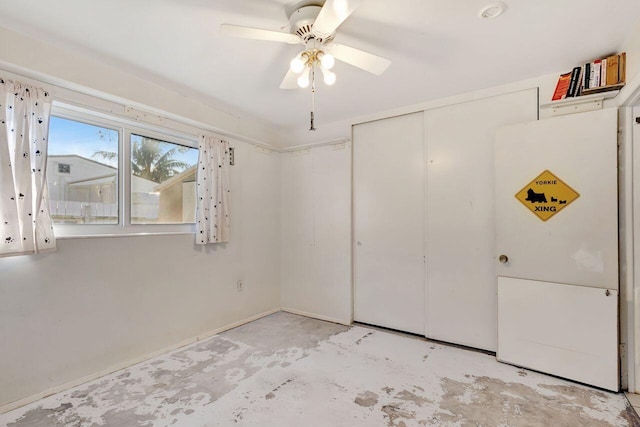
pixel 83 176
pixel 163 181
pixel 83 185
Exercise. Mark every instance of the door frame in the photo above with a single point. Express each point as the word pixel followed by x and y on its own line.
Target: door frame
pixel 629 233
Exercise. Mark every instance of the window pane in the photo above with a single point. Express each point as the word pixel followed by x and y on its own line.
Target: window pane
pixel 163 182
pixel 82 173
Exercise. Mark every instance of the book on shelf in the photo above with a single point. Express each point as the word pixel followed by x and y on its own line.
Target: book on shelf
pixel 601 89
pixel 612 70
pixel 599 75
pixel 587 75
pixel 596 73
pixel 573 83
pixel 562 87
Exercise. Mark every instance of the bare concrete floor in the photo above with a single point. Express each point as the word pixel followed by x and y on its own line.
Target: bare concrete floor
pixel 287 370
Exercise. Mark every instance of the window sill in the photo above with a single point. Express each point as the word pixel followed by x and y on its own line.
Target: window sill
pixel 88 231
pixel 132 234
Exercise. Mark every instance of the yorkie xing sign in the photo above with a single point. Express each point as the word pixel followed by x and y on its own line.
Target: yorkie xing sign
pixel 546 195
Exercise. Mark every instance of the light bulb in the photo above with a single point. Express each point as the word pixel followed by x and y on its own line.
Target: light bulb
pixel 329 77
pixel 303 80
pixel 297 65
pixel 327 61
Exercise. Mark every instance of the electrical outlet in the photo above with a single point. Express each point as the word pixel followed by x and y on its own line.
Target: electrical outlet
pixel 239 286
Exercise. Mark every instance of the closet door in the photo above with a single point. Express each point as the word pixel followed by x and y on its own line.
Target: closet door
pixel 461 283
pixel 388 219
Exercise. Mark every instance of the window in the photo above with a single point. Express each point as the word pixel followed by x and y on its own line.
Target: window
pixel 82 173
pixel 163 181
pixel 111 175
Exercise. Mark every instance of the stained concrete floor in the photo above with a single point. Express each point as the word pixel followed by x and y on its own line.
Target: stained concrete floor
pixel 287 370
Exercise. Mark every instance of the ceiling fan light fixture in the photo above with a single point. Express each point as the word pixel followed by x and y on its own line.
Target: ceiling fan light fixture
pixel 313 24
pixel 297 64
pixel 327 61
pixel 303 79
pixel 329 77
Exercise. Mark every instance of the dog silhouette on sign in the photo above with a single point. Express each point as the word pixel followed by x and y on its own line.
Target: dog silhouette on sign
pixel 534 197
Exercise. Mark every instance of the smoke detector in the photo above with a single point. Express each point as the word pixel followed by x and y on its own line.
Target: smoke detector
pixel 492 10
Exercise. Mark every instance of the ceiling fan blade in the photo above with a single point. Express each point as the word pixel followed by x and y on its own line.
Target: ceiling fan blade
pixel 258 34
pixel 333 13
pixel 359 58
pixel 290 81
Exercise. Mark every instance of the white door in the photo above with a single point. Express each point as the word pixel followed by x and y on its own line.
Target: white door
pixel 557 247
pixel 460 239
pixel 388 221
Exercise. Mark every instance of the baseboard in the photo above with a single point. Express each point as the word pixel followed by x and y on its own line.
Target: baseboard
pixel 57 389
pixel 317 316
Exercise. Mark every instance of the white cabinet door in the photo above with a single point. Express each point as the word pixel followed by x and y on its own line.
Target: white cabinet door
pixel 558 277
pixel 388 220
pixel 461 284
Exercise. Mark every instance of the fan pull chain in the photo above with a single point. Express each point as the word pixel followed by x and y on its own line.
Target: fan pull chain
pixel 313 96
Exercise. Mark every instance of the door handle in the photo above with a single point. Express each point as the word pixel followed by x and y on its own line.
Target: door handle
pixel 503 259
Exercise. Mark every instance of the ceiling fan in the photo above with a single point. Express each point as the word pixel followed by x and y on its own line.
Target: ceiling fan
pixel 314 25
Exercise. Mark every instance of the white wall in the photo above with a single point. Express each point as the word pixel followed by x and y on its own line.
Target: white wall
pixel 342 129
pixel 316 232
pixel 97 303
pixel 632 47
pixel 51 64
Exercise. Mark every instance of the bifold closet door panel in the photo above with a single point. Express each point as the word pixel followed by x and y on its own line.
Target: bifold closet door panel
pixel 460 238
pixel 388 220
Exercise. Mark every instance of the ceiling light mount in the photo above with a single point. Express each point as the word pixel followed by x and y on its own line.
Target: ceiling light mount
pixel 492 10
pixel 301 23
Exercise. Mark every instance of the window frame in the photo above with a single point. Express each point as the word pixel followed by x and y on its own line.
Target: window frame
pixel 125 128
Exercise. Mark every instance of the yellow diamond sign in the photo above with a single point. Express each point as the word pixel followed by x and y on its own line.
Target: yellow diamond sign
pixel 546 195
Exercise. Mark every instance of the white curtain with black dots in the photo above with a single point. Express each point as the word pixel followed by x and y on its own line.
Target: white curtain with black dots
pixel 25 222
pixel 212 216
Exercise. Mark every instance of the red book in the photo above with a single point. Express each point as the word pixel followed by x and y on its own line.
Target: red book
pixel 562 87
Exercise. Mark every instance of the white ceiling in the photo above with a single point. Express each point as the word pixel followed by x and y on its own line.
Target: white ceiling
pixel 438 48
